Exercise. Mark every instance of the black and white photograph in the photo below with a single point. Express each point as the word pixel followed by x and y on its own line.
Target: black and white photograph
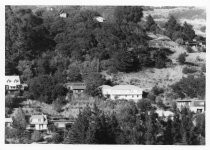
pixel 105 74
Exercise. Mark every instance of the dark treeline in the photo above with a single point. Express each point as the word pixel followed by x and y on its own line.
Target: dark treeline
pixel 132 125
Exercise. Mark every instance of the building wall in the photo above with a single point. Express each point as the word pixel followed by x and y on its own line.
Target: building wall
pixel 63 15
pixel 195 109
pixel 127 97
pixel 40 127
pixel 60 124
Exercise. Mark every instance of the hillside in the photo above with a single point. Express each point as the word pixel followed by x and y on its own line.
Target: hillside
pixel 192 15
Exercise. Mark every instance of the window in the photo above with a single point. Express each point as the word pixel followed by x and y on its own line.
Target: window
pixel 199 110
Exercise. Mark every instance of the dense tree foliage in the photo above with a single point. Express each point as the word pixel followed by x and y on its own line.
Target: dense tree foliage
pixel 93 81
pixel 19 120
pixel 151 25
pixel 177 31
pixel 45 89
pixel 191 87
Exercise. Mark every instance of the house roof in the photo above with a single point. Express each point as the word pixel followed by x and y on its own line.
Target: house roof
pixel 76 85
pixel 99 19
pixel 8 120
pixel 12 80
pixel 36 117
pixel 124 89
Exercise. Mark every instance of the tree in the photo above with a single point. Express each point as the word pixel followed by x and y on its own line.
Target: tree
pixel 188 32
pixel 19 120
pixel 168 133
pixel 58 91
pixel 78 134
pixel 171 26
pixel 73 74
pixel 93 81
pixel 151 25
pixel 57 138
pixel 126 61
pixel 98 130
pixel 126 14
pixel 36 136
pixel 151 129
pixel 25 69
pixel 190 87
pixel 181 58
pixel 41 88
pixel 144 105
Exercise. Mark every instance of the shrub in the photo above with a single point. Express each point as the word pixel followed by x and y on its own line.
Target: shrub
pixel 189 49
pixel 36 136
pixel 203 68
pixel 182 58
pixel 93 81
pixel 144 105
pixel 151 97
pixel 187 70
pixel 57 138
pixel 157 90
pixel 190 87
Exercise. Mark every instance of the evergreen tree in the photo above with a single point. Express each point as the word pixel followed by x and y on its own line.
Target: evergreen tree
pixel 151 25
pixel 126 61
pixel 126 14
pixel 19 120
pixel 168 133
pixel 93 81
pixel 78 134
pixel 188 32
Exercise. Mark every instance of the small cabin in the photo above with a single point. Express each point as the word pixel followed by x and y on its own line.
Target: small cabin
pixel 8 122
pixel 197 106
pixel 63 14
pixel 99 19
pixel 12 83
pixel 76 88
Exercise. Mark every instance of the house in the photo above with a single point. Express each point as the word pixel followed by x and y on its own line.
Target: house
pixel 76 88
pixel 12 83
pixel 197 106
pixel 8 122
pixel 38 122
pixel 128 92
pixel 165 114
pixel 62 123
pixel 99 19
pixel 63 14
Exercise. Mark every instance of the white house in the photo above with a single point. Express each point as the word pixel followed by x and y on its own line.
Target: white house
pixel 12 83
pixel 128 92
pixel 63 14
pixel 99 19
pixel 37 122
pixel 193 105
pixel 165 114
pixel 8 122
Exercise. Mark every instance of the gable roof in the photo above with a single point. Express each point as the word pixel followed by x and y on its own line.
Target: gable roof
pixel 123 89
pixel 43 119
pixel 12 80
pixel 8 120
